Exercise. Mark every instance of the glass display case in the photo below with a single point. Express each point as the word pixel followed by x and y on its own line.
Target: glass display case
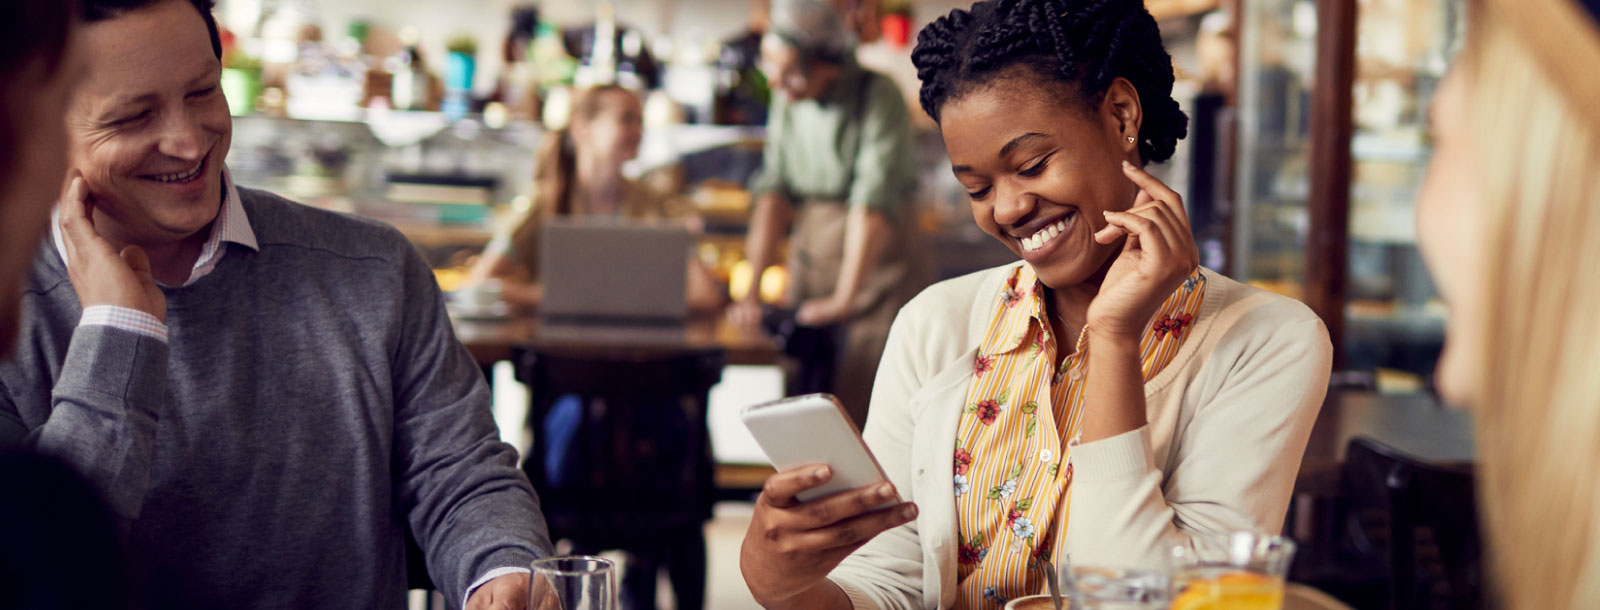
pixel 1394 322
pixel 1271 227
pixel 1391 320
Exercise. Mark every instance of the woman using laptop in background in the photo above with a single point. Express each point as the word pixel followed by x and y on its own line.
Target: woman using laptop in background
pixel 578 172
pixel 1509 223
pixel 1101 401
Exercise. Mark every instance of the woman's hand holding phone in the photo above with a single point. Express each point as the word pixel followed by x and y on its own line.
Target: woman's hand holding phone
pixel 792 545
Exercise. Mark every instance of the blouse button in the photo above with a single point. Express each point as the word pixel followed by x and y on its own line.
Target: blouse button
pixel 1075 374
pixel 1046 456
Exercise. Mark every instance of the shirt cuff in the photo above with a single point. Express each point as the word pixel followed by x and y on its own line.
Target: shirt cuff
pixel 488 576
pixel 124 318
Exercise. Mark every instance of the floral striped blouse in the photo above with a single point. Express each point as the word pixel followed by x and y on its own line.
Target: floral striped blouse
pixel 1013 458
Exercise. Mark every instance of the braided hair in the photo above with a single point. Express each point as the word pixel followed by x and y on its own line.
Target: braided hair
pixel 1083 44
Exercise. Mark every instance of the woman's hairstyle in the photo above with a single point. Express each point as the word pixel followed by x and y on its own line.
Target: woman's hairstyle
pixel 555 170
pixel 1532 119
pixel 33 39
pixel 1081 44
pixel 556 164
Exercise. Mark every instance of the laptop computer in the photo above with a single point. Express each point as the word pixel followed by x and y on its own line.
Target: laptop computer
pixel 606 271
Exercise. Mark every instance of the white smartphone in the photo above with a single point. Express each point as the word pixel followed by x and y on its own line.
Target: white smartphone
pixel 814 429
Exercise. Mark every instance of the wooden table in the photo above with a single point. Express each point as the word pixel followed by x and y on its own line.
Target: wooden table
pixel 492 341
pixel 1415 424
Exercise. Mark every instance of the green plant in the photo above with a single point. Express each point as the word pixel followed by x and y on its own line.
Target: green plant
pixel 464 44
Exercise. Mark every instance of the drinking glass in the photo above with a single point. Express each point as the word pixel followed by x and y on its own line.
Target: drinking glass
pixel 1237 571
pixel 1097 588
pixel 577 582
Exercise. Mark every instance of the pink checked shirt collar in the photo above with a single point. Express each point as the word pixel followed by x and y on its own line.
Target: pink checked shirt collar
pixel 232 225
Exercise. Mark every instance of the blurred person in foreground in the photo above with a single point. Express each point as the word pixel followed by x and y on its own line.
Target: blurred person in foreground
pixel 579 173
pixel 37 70
pixel 268 395
pixel 1509 223
pixel 50 519
pixel 839 169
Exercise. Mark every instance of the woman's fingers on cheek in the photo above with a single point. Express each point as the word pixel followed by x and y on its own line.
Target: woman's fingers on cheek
pixel 1170 230
pixel 1175 209
pixel 1111 231
pixel 1134 223
pixel 1145 181
pixel 1142 198
pixel 1182 238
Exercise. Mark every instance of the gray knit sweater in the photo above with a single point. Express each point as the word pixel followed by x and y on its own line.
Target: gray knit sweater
pixel 312 402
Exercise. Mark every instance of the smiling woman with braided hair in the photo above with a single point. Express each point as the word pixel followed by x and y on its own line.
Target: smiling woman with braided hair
pixel 1103 399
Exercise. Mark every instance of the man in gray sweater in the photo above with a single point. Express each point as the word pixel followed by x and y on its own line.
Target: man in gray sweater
pixel 267 394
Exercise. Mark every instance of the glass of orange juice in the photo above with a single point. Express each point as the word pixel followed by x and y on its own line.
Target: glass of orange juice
pixel 1237 571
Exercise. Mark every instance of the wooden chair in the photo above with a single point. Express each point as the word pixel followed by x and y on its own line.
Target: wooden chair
pixel 641 473
pixel 1415 521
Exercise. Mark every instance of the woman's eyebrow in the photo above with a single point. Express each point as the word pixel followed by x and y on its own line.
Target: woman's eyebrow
pixel 1018 141
pixel 1006 150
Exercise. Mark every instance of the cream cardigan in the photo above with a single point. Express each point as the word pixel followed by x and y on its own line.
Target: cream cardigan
pixel 1229 418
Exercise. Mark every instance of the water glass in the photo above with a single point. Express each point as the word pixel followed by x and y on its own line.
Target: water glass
pixel 1236 571
pixel 1097 588
pixel 576 582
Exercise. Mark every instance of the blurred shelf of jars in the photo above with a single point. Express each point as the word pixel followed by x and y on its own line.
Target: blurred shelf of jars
pixel 428 114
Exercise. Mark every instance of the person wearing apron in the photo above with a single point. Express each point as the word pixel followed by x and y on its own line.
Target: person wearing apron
pixel 839 172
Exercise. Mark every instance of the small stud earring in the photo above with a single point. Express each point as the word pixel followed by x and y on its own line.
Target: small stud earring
pixel 1130 139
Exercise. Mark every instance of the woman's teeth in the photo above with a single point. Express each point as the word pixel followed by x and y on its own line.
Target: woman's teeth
pixel 1038 240
pixel 181 176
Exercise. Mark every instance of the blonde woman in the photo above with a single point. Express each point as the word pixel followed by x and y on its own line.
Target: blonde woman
pixel 1509 221
pixel 579 173
pixel 38 67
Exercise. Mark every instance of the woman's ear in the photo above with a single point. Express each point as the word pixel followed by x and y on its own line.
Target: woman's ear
pixel 1123 115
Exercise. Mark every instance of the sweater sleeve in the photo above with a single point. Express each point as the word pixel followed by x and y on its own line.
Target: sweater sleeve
pixel 885 171
pixel 104 407
pixel 1235 462
pixel 472 510
pixel 770 178
pixel 887 571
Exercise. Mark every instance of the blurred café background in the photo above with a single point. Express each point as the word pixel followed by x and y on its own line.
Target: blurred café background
pixel 1306 147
